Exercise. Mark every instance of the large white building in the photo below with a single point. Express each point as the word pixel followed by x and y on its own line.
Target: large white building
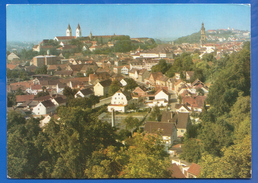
pixel 118 102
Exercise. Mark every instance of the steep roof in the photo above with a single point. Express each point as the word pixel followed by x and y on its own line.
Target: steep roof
pixel 167 115
pixel 60 100
pixel 48 103
pixel 176 172
pixel 153 127
pixel 194 169
pixel 87 91
pixel 105 83
pixel 78 27
pixel 182 120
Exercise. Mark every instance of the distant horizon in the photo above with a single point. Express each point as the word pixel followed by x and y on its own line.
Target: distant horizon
pixel 37 22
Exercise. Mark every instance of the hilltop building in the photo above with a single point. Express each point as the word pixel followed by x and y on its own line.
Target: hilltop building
pixel 69 31
pixel 78 31
pixel 203 37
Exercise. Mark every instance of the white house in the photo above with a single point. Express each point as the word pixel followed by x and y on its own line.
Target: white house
pixel 182 108
pixel 45 107
pixel 123 82
pixel 168 130
pixel 118 102
pixel 161 99
pixel 102 87
pixel 84 93
pixel 125 70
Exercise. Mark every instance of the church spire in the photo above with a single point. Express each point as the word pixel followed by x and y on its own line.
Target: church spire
pixel 78 31
pixel 69 31
pixel 78 26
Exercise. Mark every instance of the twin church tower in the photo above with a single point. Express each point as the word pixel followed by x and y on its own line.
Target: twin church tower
pixel 78 31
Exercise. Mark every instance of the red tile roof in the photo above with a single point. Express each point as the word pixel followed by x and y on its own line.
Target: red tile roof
pixel 176 172
pixel 194 169
pixel 23 98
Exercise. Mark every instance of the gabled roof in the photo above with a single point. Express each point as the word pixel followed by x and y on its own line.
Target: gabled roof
pixel 48 103
pixel 76 67
pixel 23 98
pixel 105 83
pixel 176 172
pixel 182 120
pixel 156 75
pixel 161 89
pixel 168 116
pixel 87 91
pixel 60 100
pixel 178 106
pixel 154 127
pixel 190 73
pixel 194 169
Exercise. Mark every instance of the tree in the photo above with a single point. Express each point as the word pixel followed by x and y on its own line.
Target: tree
pixel 114 87
pixel 162 66
pixel 22 156
pixel 191 150
pixel 151 160
pixel 41 94
pixel 94 99
pixel 155 114
pixel 41 70
pixel 131 123
pixel 236 162
pixel 89 71
pixel 131 84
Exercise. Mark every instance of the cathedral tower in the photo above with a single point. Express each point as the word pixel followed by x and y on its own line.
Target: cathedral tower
pixel 69 31
pixel 78 31
pixel 203 37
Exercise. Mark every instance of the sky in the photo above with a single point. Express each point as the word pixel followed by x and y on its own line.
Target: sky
pixel 37 22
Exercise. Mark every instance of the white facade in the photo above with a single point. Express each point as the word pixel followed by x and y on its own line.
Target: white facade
pixel 78 31
pixel 69 31
pixel 124 70
pixel 40 109
pixel 118 102
pixel 123 82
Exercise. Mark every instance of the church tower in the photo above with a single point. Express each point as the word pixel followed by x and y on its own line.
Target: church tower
pixel 203 37
pixel 78 31
pixel 90 36
pixel 69 31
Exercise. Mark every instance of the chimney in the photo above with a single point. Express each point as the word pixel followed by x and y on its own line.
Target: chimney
pixel 113 118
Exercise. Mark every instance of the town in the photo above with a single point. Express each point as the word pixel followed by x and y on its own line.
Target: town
pixel 131 91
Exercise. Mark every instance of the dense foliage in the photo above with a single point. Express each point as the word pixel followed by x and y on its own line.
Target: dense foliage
pixel 221 144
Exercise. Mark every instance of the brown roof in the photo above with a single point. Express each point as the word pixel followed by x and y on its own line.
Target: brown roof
pixel 60 100
pixel 178 106
pixel 190 73
pixel 63 72
pixel 76 67
pixel 105 83
pixel 87 91
pixel 42 98
pixel 36 87
pixel 167 115
pixel 194 101
pixel 182 120
pixel 11 66
pixel 153 127
pixel 23 98
pixel 194 169
pixel 48 103
pixel 156 75
pixel 176 172
pixel 161 89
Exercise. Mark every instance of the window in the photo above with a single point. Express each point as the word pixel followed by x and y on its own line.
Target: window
pixel 182 131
